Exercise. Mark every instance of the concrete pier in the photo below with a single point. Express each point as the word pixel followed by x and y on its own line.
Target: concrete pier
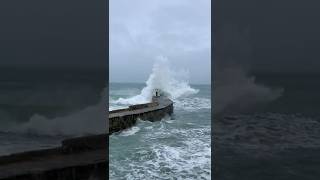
pixel 77 159
pixel 125 118
pixel 82 158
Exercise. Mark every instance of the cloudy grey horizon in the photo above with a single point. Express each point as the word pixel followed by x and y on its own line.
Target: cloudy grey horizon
pixel 142 30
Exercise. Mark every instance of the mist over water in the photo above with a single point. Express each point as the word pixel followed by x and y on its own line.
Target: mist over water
pixel 177 147
pixel 237 91
pixel 85 120
pixel 38 113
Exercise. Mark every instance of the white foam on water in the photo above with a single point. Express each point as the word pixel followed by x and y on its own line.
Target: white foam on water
pixel 130 131
pixel 192 103
pixel 191 160
pixel 170 121
pixel 149 127
pixel 167 150
pixel 172 83
pixel 115 107
pixel 189 157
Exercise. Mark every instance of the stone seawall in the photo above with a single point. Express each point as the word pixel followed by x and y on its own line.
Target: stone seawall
pixel 126 118
pixel 82 158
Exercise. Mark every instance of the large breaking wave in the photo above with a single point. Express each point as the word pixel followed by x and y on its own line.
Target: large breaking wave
pixel 173 83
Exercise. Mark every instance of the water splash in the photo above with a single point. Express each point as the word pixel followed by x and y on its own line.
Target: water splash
pixel 90 120
pixel 170 82
pixel 130 132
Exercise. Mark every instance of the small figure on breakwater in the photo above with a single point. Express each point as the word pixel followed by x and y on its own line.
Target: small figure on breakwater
pixel 157 92
pixel 159 107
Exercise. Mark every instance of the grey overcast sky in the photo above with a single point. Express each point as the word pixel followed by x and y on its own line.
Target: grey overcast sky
pixel 141 30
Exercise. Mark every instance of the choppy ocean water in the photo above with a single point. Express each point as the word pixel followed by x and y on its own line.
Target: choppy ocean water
pixel 278 138
pixel 177 147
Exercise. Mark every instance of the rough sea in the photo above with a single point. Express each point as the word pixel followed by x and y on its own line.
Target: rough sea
pixel 177 147
pixel 278 139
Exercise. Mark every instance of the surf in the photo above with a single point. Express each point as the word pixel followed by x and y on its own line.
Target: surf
pixel 172 83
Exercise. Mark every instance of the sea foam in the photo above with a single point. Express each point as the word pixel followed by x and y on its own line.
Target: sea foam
pixel 170 82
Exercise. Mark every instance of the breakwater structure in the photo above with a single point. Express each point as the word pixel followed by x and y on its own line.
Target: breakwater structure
pixel 121 119
pixel 82 158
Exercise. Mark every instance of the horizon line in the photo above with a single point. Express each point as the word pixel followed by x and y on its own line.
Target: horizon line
pixel 145 82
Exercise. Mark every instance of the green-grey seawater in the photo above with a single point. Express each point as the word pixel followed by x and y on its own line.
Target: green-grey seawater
pixel 177 147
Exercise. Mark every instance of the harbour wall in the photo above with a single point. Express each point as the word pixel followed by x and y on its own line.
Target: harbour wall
pixel 82 158
pixel 125 118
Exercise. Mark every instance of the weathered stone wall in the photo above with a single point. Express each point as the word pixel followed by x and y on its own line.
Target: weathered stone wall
pixel 96 171
pixel 81 158
pixel 126 118
pixel 84 158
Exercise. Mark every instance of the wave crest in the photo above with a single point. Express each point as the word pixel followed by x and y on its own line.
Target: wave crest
pixel 172 83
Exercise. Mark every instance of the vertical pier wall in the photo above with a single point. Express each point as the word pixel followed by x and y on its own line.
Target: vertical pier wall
pixel 126 118
pixel 84 158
